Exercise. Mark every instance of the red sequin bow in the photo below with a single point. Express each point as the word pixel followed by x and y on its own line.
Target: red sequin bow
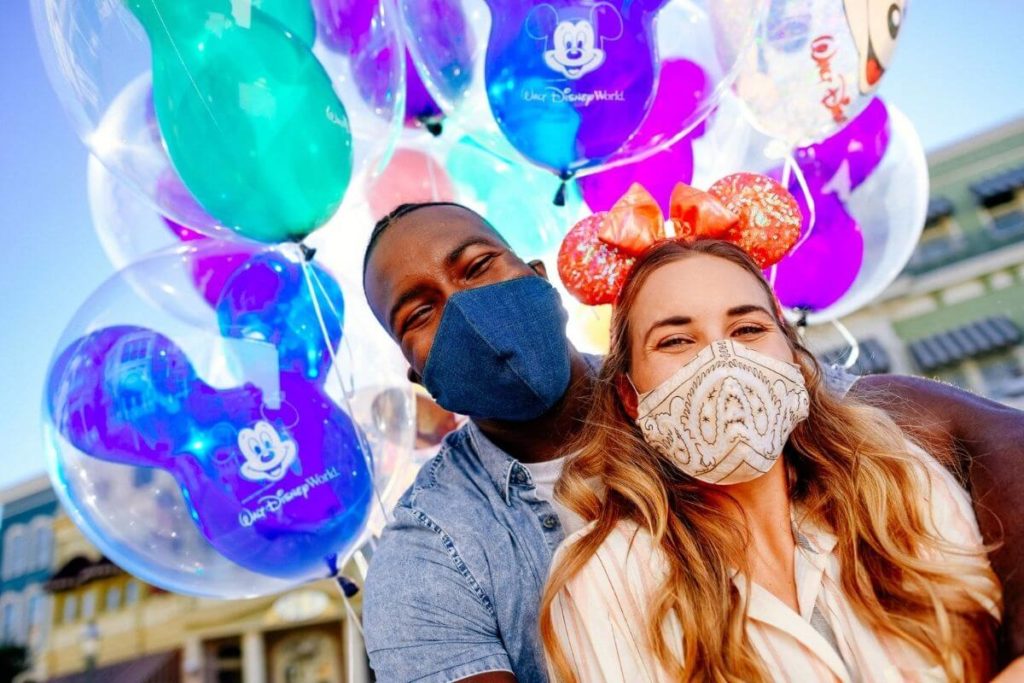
pixel 752 211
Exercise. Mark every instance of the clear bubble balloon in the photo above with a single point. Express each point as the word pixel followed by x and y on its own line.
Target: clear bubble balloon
pixel 226 113
pixel 567 85
pixel 816 64
pixel 192 452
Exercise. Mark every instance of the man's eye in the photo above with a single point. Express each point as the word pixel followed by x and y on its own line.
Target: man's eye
pixel 415 318
pixel 478 266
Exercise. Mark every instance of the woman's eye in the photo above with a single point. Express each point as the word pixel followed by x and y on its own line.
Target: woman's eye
pixel 672 341
pixel 748 330
pixel 478 266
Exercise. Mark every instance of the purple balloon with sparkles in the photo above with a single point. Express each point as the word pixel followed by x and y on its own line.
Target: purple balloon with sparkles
pixel 827 260
pixel 275 478
pixel 682 86
pixel 568 83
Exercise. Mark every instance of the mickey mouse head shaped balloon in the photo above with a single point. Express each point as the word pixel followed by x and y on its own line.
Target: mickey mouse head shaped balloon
pixel 276 480
pixel 569 82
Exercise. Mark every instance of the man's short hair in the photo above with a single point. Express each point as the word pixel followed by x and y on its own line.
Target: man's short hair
pixel 404 210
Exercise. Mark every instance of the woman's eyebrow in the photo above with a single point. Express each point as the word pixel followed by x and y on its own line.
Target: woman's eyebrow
pixel 675 320
pixel 746 308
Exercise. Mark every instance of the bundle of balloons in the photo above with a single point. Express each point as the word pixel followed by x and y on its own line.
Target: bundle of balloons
pixel 224 416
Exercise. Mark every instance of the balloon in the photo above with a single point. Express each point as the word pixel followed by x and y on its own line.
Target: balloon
pixel 567 86
pixel 890 206
pixel 267 298
pixel 277 99
pixel 411 176
pixel 420 107
pixel 816 64
pixel 255 470
pixel 515 199
pixel 681 88
pixel 249 117
pixel 824 264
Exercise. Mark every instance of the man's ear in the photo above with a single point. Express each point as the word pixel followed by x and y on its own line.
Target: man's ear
pixel 538 267
pixel 414 376
pixel 627 395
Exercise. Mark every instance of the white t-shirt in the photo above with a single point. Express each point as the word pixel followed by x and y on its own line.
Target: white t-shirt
pixel 545 475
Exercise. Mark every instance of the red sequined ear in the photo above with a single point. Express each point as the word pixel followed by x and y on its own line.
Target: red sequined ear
pixel 769 217
pixel 627 395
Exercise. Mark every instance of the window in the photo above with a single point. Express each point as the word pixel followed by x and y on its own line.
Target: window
pixel 89 606
pixel 43 542
pixel 113 601
pixel 14 551
pixel 1000 371
pixel 70 612
pixel 131 593
pixel 10 618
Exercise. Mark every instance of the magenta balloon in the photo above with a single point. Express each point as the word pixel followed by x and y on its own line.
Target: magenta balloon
pixel 682 86
pixel 861 144
pixel 824 267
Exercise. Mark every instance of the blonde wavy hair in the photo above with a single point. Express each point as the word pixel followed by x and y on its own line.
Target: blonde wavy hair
pixel 849 467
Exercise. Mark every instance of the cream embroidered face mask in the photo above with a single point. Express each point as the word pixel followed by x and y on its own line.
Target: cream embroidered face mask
pixel 724 416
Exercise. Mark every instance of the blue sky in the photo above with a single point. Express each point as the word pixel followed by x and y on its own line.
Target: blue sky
pixel 957 72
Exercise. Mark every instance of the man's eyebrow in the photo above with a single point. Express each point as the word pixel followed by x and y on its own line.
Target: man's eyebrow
pixel 407 296
pixel 666 322
pixel 747 308
pixel 454 255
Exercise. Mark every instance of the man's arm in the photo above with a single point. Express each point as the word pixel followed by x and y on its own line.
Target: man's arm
pixel 423 615
pixel 988 439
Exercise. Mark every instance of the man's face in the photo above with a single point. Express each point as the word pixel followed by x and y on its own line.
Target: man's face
pixel 422 259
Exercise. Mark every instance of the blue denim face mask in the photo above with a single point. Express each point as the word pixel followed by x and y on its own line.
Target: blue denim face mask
pixel 500 351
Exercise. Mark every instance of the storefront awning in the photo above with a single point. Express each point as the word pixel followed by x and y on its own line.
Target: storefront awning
pixel 80 570
pixel 938 208
pixel 164 667
pixel 974 339
pixel 873 359
pixel 999 188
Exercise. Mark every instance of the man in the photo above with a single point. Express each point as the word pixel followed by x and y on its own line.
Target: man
pixel 455 583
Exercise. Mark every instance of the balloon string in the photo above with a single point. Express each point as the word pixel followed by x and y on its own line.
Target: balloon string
pixel 310 275
pixel 848 337
pixel 791 168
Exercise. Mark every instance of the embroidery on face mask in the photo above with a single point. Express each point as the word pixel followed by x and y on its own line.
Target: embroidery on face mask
pixel 724 416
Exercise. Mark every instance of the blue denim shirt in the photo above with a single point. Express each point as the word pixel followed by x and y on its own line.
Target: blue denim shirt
pixel 455 583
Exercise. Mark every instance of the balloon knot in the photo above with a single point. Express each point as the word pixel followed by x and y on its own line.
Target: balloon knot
pixel 433 125
pixel 347 585
pixel 308 252
pixel 559 199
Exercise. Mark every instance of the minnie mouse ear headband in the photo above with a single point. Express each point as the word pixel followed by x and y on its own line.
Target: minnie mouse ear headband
pixel 751 211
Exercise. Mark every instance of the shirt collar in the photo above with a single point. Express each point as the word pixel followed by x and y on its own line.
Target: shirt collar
pixel 502 468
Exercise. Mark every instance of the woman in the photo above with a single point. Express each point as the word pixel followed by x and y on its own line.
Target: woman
pixel 750 525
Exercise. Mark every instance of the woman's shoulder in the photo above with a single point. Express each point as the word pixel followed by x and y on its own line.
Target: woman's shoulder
pixel 627 560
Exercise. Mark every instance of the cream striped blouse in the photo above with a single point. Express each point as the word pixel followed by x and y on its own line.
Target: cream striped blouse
pixel 600 615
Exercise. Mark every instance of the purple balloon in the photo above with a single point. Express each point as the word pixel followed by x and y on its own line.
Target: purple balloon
pixel 345 25
pixel 826 263
pixel 420 107
pixel 568 83
pixel 682 85
pixel 824 267
pixel 860 145
pixel 276 481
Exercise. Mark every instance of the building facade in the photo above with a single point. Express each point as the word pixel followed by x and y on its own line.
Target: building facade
pixel 26 558
pixel 956 313
pixel 108 625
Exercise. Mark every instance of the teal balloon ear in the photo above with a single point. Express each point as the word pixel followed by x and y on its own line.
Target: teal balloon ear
pixel 249 117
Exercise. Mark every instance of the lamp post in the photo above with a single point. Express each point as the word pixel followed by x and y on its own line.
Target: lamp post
pixel 90 649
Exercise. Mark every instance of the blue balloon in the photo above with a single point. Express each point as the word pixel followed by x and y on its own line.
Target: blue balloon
pixel 269 299
pixel 275 478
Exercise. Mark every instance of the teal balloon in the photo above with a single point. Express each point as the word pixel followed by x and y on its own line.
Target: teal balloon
pixel 517 200
pixel 248 115
pixel 295 15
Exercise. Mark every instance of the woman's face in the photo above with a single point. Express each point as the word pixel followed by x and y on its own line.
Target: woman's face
pixel 687 304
